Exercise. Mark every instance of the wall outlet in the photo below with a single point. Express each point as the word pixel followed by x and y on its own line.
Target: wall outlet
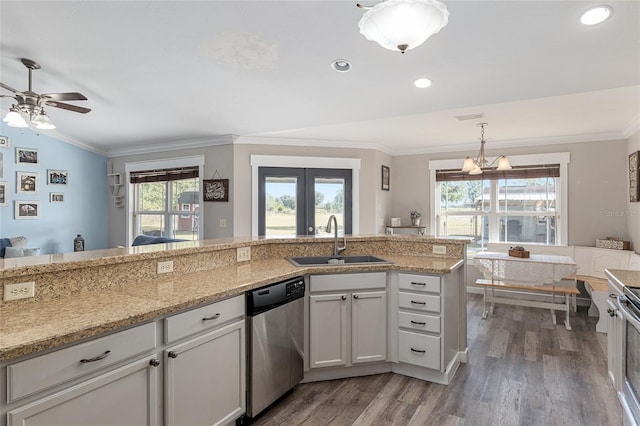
pixel 19 290
pixel 244 254
pixel 223 223
pixel 164 267
pixel 439 249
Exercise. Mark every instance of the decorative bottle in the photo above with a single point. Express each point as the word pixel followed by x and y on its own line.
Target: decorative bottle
pixel 78 243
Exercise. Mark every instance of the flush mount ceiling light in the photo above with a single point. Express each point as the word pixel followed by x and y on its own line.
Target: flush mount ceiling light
pixel 341 65
pixel 402 24
pixel 474 167
pixel 422 83
pixel 595 15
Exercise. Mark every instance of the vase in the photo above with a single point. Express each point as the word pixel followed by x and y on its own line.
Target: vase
pixel 415 222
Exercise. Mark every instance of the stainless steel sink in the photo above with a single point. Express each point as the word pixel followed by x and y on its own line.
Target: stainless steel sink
pixel 335 260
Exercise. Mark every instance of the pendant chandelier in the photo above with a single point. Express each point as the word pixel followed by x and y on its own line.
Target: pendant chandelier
pixel 402 24
pixel 474 167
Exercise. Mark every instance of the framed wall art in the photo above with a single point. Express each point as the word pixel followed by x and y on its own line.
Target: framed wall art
pixel 386 178
pixel 27 156
pixel 216 190
pixel 4 201
pixel 26 183
pixel 634 177
pixel 57 177
pixel 56 197
pixel 4 141
pixel 27 209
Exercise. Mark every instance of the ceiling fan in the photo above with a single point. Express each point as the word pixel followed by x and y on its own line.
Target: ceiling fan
pixel 31 105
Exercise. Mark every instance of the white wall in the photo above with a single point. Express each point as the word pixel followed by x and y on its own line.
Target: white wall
pixel 216 157
pixel 370 192
pixel 383 198
pixel 597 189
pixel 632 211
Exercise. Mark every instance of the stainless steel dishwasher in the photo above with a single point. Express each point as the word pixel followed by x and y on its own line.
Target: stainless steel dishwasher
pixel 275 342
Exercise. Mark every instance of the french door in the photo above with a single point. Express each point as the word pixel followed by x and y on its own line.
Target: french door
pixel 297 201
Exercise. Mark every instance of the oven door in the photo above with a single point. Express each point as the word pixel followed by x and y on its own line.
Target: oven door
pixel 631 360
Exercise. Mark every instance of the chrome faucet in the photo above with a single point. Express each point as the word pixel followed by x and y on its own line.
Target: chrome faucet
pixel 336 250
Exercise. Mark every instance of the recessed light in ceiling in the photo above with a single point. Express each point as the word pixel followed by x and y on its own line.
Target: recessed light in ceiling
pixel 422 83
pixel 341 65
pixel 595 15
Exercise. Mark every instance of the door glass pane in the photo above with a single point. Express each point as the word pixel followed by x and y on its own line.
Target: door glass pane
pixel 280 206
pixel 151 224
pixel 329 200
pixel 528 229
pixel 151 196
pixel 185 226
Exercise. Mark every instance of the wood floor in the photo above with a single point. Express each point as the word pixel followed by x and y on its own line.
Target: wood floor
pixel 522 370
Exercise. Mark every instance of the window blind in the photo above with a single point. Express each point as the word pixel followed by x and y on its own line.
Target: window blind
pixel 517 172
pixel 164 175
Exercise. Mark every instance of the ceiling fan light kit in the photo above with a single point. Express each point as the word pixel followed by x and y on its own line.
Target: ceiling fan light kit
pixel 402 25
pixel 30 105
pixel 475 166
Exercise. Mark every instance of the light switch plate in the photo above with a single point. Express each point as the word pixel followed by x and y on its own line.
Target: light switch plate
pixel 243 254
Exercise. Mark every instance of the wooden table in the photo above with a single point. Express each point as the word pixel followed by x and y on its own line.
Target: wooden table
pixel 539 273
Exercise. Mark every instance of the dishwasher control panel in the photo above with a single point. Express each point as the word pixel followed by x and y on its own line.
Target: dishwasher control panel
pixel 295 288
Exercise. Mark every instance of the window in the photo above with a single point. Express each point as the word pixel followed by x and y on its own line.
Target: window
pixel 164 201
pixel 520 206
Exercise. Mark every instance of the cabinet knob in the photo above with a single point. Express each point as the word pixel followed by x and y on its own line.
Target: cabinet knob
pixel 611 312
pixel 154 362
pixel 355 296
pixel 344 297
pixel 172 354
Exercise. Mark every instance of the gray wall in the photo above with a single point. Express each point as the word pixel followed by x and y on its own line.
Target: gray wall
pixel 598 188
pixel 632 211
pixel 217 157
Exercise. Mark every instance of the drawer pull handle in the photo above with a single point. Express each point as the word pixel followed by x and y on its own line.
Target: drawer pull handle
pixel 154 362
pixel 420 284
pixel 420 351
pixel 355 296
pixel 344 297
pixel 172 354
pixel 418 322
pixel 95 358
pixel 212 317
pixel 418 303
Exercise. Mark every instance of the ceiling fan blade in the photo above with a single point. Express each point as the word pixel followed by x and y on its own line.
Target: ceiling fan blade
pixel 71 96
pixel 9 88
pixel 68 107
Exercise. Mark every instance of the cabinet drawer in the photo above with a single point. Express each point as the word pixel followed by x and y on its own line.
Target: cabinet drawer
pixel 344 282
pixel 419 322
pixel 33 375
pixel 424 283
pixel 420 302
pixel 419 349
pixel 202 319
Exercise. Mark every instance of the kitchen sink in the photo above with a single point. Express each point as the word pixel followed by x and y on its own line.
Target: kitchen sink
pixel 336 260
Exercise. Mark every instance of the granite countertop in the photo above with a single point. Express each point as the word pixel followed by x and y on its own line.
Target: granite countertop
pixel 624 277
pixel 27 329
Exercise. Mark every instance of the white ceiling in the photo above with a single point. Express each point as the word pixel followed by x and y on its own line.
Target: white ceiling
pixel 161 72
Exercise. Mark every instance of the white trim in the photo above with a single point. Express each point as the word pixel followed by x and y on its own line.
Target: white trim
pixel 136 166
pixel 322 143
pixel 172 146
pixel 562 158
pixel 632 127
pixel 258 161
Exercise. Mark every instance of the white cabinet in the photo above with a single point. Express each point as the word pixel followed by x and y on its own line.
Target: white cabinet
pixel 205 375
pixel 615 333
pixel 205 378
pixel 347 319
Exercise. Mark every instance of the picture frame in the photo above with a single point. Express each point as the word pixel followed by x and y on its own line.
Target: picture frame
pixel 4 196
pixel 27 209
pixel 27 182
pixel 27 156
pixel 4 141
pixel 386 178
pixel 57 177
pixel 634 177
pixel 56 197
pixel 216 190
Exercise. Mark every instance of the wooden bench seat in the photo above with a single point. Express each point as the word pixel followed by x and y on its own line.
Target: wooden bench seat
pixel 567 292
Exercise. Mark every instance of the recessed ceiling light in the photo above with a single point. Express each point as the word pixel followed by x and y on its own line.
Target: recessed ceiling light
pixel 341 65
pixel 422 83
pixel 595 15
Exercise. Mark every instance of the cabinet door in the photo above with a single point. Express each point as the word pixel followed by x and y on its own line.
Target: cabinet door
pixel 205 378
pixel 614 343
pixel 369 326
pixel 328 330
pixel 124 396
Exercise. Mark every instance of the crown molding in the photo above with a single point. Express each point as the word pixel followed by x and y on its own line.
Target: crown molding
pixel 173 146
pixel 632 127
pixel 320 143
